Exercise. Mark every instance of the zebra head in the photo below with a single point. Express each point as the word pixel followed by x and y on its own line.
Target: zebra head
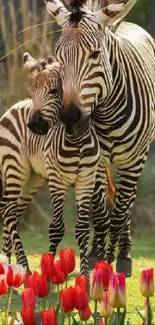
pixel 46 92
pixel 83 56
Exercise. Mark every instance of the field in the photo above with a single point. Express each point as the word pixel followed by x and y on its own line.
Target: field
pixel 143 253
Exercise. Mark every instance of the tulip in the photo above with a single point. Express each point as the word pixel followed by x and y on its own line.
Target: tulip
pixel 29 298
pixel 40 285
pixel 85 314
pixel 81 298
pixel 3 285
pixel 107 270
pixel 60 276
pixel 117 290
pixel 67 299
pixel 147 283
pixel 49 317
pixel 82 280
pixel 47 265
pixel 30 279
pixel 15 275
pixel 67 260
pixel 105 309
pixel 96 286
pixel 28 316
pixel 3 261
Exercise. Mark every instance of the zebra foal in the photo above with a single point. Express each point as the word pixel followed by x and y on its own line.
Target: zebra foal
pixel 28 159
pixel 110 77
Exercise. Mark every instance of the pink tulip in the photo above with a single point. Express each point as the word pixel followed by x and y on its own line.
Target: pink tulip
pixel 147 283
pixel 105 309
pixel 96 286
pixel 117 290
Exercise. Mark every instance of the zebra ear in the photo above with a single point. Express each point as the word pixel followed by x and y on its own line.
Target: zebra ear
pixel 57 10
pixel 32 66
pixel 113 13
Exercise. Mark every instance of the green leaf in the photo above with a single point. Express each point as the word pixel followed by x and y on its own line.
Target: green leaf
pixel 149 315
pixel 122 320
pixel 112 318
pixel 139 313
pixel 57 309
pixel 75 321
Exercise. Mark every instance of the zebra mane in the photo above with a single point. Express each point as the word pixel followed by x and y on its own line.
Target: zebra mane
pixel 92 5
pixel 76 4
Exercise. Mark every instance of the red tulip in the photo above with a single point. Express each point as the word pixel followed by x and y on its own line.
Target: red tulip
pixel 67 260
pixel 81 298
pixel 85 314
pixel 96 286
pixel 28 316
pixel 117 290
pixel 3 285
pixel 105 309
pixel 107 270
pixel 82 280
pixel 67 299
pixel 47 265
pixel 29 298
pixel 147 283
pixel 49 317
pixel 14 275
pixel 40 285
pixel 30 279
pixel 59 276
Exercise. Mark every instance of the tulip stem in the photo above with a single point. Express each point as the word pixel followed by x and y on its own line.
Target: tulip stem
pixel 118 315
pixel 105 321
pixel 9 304
pixel 44 303
pixel 95 313
pixel 50 293
pixel 69 319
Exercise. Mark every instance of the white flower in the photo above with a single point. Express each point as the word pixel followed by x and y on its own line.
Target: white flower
pixel 4 259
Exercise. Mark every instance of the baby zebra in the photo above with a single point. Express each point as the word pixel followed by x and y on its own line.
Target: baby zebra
pixel 28 159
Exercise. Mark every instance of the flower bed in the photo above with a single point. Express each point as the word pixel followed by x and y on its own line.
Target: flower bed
pixel 72 303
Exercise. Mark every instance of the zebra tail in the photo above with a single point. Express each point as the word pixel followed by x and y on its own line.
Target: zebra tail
pixel 111 188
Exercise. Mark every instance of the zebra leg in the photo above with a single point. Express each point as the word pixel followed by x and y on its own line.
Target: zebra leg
pixel 6 244
pixel 126 187
pixel 124 261
pixel 26 196
pixel 56 227
pixel 100 217
pixel 84 188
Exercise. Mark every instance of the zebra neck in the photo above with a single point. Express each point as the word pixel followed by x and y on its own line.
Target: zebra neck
pixel 80 134
pixel 117 98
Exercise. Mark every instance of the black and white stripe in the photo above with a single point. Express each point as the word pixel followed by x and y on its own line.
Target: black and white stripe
pixel 113 76
pixel 28 159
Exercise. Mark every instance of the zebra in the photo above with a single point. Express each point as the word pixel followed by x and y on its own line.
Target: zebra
pixel 28 159
pixel 110 77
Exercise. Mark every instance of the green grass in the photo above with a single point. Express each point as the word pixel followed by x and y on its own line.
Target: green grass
pixel 143 253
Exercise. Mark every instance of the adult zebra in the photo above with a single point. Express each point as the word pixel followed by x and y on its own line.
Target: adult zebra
pixel 110 77
pixel 27 160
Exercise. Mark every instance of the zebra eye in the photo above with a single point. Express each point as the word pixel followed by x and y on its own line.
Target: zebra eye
pixel 53 91
pixel 94 55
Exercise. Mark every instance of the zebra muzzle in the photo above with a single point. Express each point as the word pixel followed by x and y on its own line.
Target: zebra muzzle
pixel 38 125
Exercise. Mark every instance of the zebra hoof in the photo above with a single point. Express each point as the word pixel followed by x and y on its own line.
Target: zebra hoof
pixel 125 266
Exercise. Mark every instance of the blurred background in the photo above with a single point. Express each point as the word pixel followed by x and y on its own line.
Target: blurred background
pixel 26 26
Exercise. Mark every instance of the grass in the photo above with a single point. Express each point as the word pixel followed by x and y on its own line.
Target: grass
pixel 142 254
